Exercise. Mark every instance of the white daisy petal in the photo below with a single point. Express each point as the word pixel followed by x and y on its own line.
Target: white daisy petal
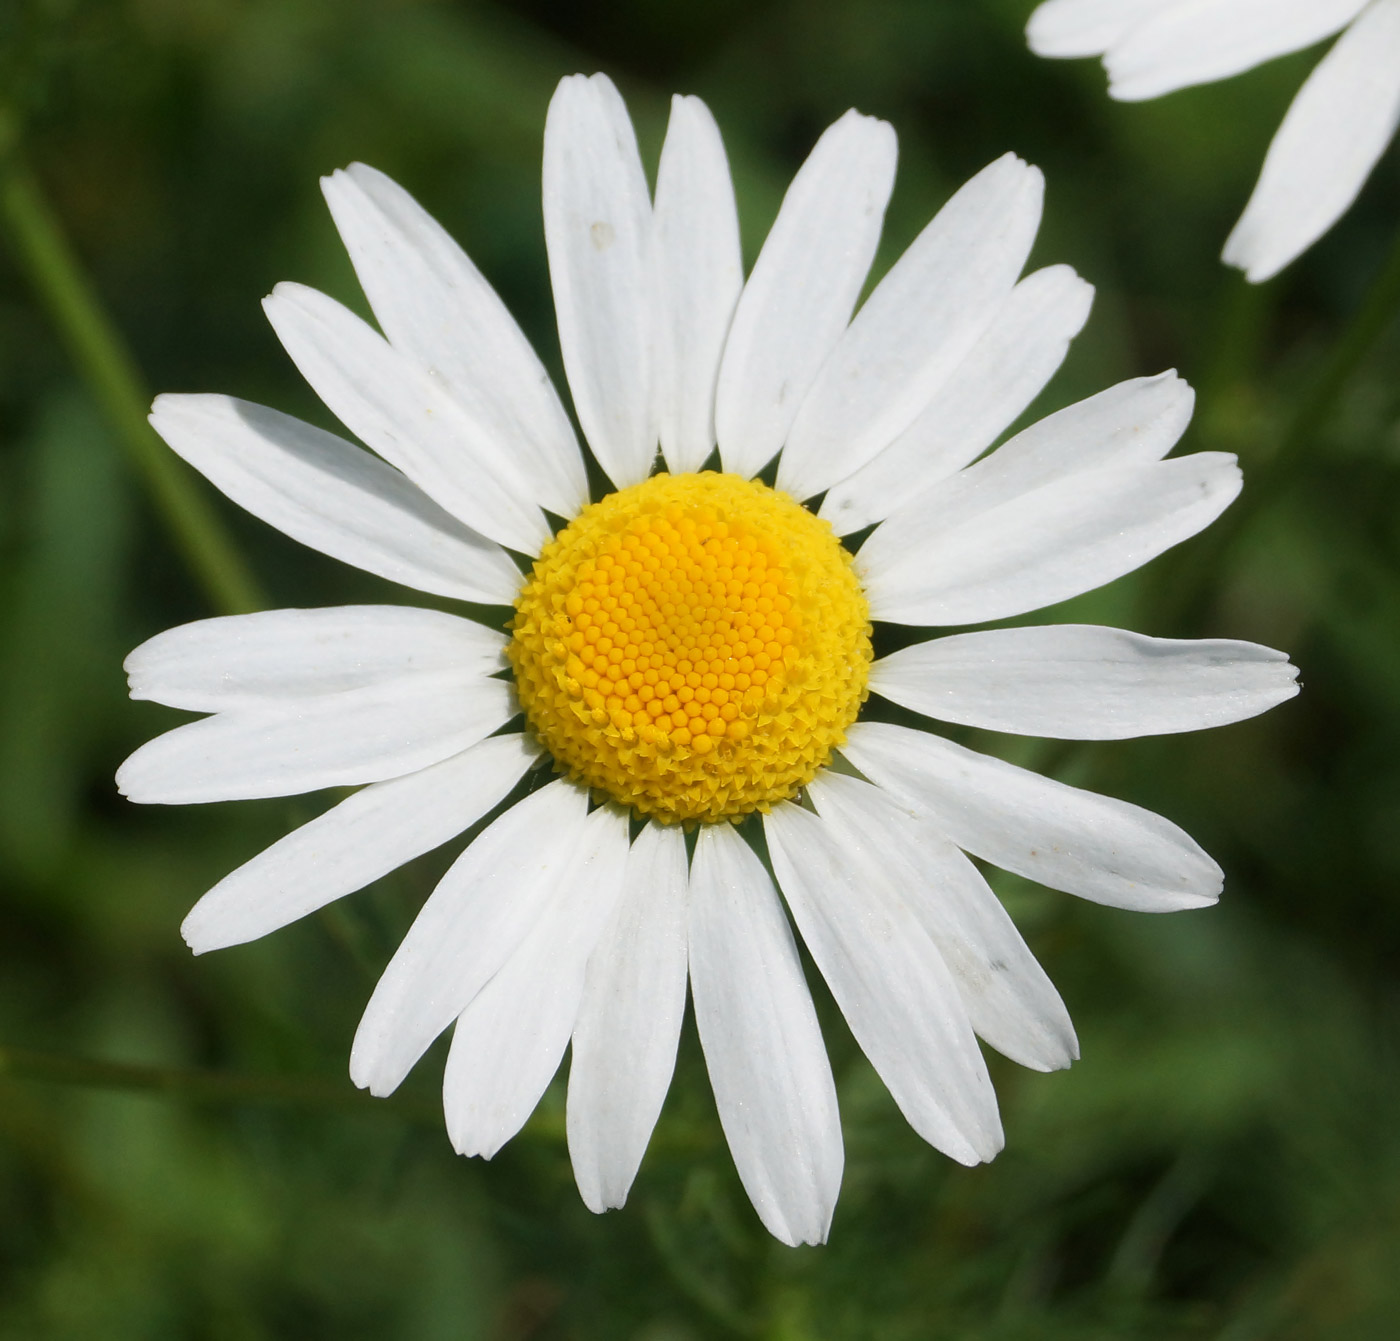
pixel 803 288
pixel 1006 994
pixel 334 497
pixel 598 232
pixel 966 566
pixel 1005 370
pixel 629 1021
pixel 845 893
pixel 1198 41
pixel 325 740
pixel 700 273
pixel 366 836
pixel 435 306
pixel 481 910
pixel 1077 841
pixel 1335 132
pixel 510 1039
pixel 406 415
pixel 1067 28
pixel 916 327
pixel 263 659
pixel 763 1047
pixel 1082 682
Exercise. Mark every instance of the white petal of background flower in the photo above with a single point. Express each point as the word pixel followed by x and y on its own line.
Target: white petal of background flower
pixel 846 896
pixel 334 497
pixel 406 415
pixel 1082 682
pixel 434 305
pixel 324 740
pixel 629 1021
pixel 480 911
pixel 263 659
pixel 934 564
pixel 700 273
pixel 922 319
pixel 508 1042
pixel 366 836
pixel 1068 28
pixel 763 1047
pixel 803 288
pixel 1004 371
pixel 1198 41
pixel 1339 125
pixel 1008 998
pixel 598 232
pixel 1093 846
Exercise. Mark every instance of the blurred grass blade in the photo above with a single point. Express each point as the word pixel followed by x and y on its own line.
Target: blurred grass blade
pixel 107 366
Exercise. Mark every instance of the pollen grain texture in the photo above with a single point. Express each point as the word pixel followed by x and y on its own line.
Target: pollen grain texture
pixel 693 647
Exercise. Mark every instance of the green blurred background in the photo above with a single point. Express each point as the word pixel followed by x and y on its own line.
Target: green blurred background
pixel 1225 1160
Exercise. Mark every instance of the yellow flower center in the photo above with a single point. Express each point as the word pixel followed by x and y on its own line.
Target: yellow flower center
pixel 693 647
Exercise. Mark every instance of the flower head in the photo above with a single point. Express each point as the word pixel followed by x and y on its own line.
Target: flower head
pixel 1333 135
pixel 693 647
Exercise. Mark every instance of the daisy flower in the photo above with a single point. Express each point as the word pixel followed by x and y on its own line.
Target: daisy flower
pixel 1334 133
pixel 695 647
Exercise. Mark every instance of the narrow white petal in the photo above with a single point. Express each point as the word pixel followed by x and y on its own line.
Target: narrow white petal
pixel 803 288
pixel 1006 994
pixel 1338 127
pixel 366 836
pixel 334 497
pixel 1132 423
pixel 921 321
pixel 598 232
pixel 1077 841
pixel 700 273
pixel 1004 372
pixel 629 1021
pixel 1067 28
pixel 404 413
pixel 263 659
pixel 845 891
pixel 1197 41
pixel 483 908
pixel 1083 682
pixel 1052 543
pixel 763 1046
pixel 435 306
pixel 326 740
pixel 510 1039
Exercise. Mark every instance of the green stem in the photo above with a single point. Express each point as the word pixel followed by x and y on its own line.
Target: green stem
pixel 104 361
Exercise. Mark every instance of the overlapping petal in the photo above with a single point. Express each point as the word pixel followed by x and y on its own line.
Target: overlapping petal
pixel 434 305
pixel 400 410
pixel 629 1021
pixel 803 289
pixel 916 327
pixel 334 497
pixel 366 836
pixel 485 906
pixel 1078 841
pixel 509 1041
